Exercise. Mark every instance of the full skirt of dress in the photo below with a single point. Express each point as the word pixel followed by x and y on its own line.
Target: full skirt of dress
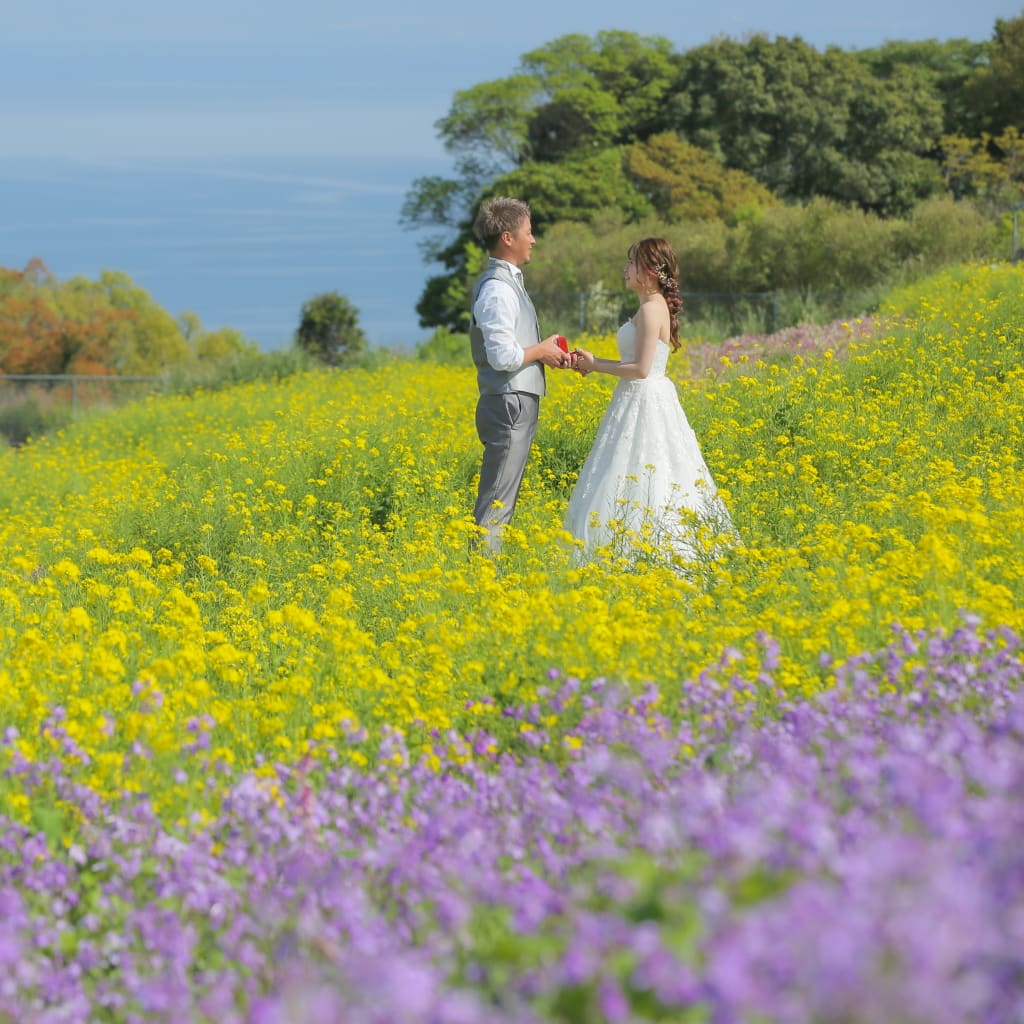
pixel 645 485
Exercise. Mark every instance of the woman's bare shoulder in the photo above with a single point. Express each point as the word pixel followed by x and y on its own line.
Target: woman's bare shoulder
pixel 653 317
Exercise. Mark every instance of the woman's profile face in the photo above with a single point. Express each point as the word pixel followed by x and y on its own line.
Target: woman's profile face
pixel 631 272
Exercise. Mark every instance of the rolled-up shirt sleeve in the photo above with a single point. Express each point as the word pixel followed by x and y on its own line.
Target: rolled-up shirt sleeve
pixel 495 310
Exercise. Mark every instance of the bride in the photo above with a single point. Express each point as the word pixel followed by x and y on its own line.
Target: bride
pixel 645 485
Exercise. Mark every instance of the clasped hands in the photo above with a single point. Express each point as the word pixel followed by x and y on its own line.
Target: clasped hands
pixel 561 358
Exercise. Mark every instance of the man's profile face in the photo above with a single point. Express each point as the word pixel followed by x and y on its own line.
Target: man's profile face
pixel 519 243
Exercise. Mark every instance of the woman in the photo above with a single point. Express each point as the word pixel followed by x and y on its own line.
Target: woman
pixel 645 481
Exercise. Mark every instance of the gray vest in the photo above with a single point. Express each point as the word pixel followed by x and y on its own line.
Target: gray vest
pixel 528 378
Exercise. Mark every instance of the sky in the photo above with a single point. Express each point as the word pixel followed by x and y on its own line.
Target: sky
pixel 121 80
pixel 254 88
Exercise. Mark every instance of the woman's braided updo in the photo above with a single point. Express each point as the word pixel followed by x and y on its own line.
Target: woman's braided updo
pixel 657 258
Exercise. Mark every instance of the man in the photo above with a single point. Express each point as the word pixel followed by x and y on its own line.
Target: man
pixel 510 358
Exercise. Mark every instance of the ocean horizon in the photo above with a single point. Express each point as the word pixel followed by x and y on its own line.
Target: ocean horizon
pixel 239 243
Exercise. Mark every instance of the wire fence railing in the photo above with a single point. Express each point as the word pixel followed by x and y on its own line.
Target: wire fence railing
pixel 76 389
pixel 33 404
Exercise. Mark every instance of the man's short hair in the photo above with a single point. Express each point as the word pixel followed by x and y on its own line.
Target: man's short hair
pixel 497 216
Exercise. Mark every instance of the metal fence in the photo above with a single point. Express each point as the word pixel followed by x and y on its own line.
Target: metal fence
pixel 33 404
pixel 74 389
pixel 724 313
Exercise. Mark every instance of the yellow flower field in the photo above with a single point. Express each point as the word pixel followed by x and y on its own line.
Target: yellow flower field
pixel 272 568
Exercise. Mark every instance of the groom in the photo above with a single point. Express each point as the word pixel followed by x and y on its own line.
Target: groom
pixel 510 358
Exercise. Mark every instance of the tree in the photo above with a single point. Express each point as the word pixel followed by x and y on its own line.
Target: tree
pixel 610 89
pixel 145 339
pixel 683 182
pixel 996 92
pixel 30 330
pixel 946 69
pixel 490 121
pixel 569 100
pixel 485 130
pixel 575 93
pixel 806 123
pixel 109 326
pixel 50 327
pixel 329 329
pixel 619 122
pixel 990 169
pixel 222 344
pixel 574 189
pixel 445 299
pixel 580 121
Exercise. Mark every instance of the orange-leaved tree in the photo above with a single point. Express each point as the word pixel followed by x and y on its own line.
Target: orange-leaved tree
pixel 42 332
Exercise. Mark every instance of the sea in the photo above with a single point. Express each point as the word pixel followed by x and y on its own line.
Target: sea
pixel 240 244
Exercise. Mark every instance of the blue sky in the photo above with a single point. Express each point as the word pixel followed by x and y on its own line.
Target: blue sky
pixel 116 80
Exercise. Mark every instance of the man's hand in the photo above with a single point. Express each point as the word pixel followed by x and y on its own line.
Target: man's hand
pixel 551 353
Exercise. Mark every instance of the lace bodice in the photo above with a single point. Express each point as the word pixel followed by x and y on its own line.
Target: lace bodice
pixel 626 341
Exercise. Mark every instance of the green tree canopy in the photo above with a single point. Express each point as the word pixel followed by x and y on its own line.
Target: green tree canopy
pixel 945 68
pixel 569 99
pixel 147 340
pixel 329 329
pixel 619 123
pixel 490 121
pixel 996 92
pixel 574 189
pixel 806 123
pixel 683 182
pixel 597 92
pixel 445 299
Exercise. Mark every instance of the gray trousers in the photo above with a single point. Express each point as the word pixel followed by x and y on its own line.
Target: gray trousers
pixel 506 425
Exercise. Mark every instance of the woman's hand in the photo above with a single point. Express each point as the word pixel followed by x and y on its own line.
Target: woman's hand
pixel 583 361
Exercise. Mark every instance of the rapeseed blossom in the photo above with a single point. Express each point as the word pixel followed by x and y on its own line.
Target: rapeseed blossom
pixel 292 559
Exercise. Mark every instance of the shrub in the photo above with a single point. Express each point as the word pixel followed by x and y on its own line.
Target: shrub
pixel 329 329
pixel 22 420
pixel 447 347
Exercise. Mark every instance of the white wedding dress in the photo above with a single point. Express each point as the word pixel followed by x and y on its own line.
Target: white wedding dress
pixel 645 485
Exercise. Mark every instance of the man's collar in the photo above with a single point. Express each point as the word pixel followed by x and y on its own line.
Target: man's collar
pixel 494 260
